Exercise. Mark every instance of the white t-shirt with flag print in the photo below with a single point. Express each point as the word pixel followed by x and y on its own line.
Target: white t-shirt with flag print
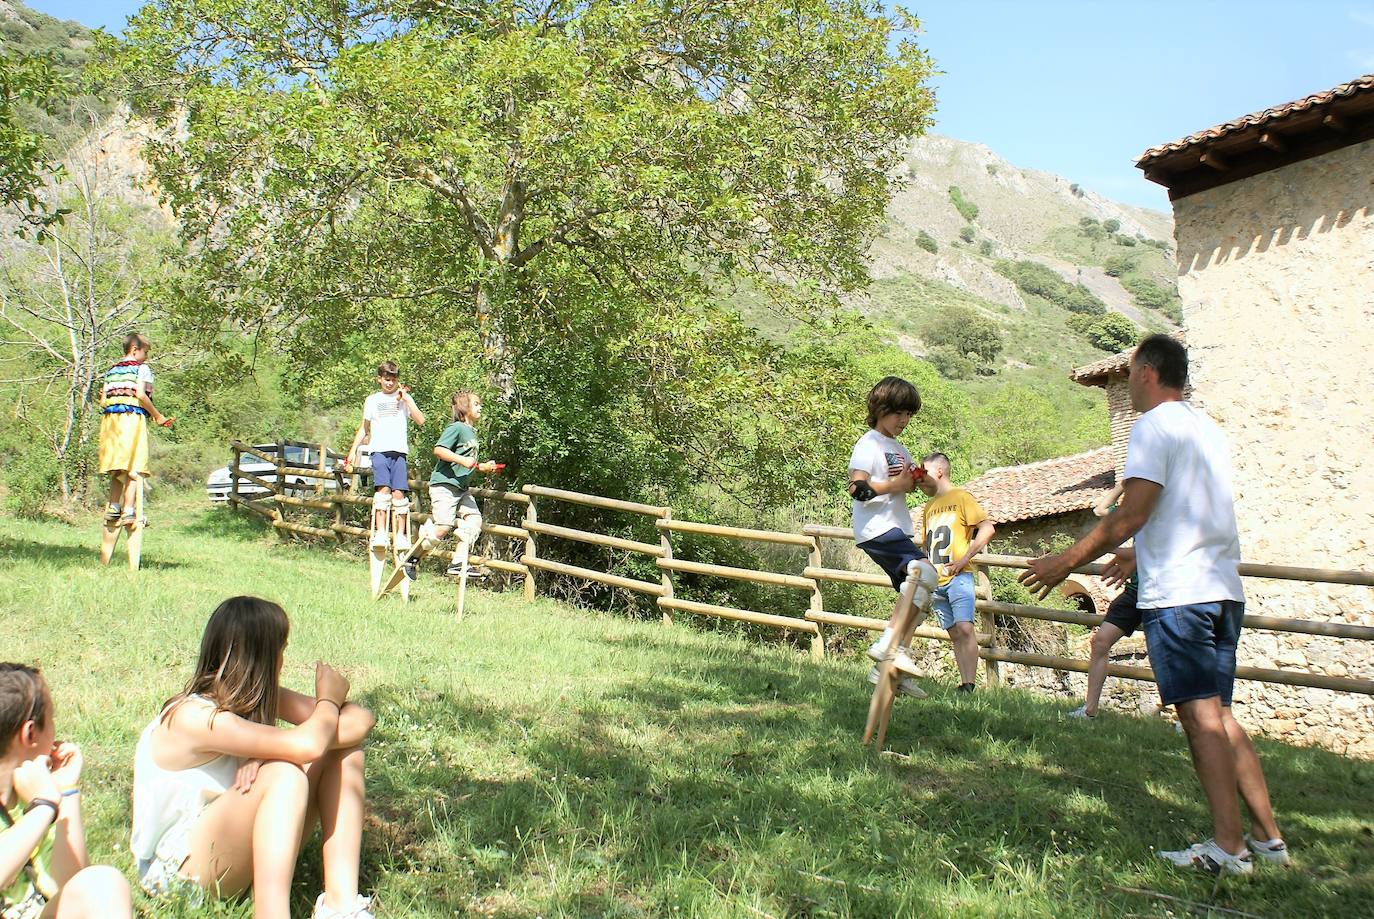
pixel 873 454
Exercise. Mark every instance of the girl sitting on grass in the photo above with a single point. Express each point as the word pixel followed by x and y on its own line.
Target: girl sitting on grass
pixel 223 798
pixel 43 866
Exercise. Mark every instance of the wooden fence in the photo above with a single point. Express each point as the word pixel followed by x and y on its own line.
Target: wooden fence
pixel 528 543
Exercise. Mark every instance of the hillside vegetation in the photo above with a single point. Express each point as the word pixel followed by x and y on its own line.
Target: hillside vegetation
pixel 538 760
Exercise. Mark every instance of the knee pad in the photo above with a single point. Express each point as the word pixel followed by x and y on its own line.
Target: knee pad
pixel 469 528
pixel 429 536
pixel 927 579
pixel 381 502
pixel 401 505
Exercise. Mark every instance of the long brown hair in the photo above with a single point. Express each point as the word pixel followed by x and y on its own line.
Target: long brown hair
pixel 240 660
pixel 23 697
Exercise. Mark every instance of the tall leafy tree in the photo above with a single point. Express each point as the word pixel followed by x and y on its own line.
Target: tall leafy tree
pixel 568 189
pixel 25 80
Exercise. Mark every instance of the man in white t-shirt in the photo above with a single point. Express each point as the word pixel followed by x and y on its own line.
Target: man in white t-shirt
pixel 1177 503
pixel 384 429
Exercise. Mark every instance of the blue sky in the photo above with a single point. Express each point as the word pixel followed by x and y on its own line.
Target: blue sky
pixel 1082 87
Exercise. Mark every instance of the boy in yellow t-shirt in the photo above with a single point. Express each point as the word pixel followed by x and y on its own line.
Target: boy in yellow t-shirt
pixel 955 529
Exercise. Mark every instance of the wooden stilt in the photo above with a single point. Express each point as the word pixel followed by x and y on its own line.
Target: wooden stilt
pixel 377 555
pixel 914 606
pixel 462 576
pixel 134 542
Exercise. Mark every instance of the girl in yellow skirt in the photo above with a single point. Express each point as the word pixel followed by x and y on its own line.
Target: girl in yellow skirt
pixel 126 404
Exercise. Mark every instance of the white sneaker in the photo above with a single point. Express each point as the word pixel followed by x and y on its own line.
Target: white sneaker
pixel 1271 850
pixel 1081 713
pixel 380 540
pixel 880 649
pixel 361 909
pixel 907 686
pixel 1210 857
pixel 401 542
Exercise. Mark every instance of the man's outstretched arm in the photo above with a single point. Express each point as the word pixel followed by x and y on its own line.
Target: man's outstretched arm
pixel 1137 503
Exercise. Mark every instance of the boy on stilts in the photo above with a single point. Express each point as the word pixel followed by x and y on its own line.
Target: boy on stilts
pixel 126 404
pixel 451 504
pixel 384 428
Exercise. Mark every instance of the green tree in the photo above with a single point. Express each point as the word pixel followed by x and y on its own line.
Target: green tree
pixel 1111 225
pixel 1117 265
pixel 967 234
pixel 26 80
pixel 1112 332
pixel 927 242
pixel 557 194
pixel 1017 425
pixel 967 334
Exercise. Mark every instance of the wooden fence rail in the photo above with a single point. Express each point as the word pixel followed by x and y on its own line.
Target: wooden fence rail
pixel 271 501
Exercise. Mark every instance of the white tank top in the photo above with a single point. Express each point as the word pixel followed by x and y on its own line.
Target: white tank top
pixel 168 799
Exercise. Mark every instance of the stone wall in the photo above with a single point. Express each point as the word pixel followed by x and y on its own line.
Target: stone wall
pixel 1276 273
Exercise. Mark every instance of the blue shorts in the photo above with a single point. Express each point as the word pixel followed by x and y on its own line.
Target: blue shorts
pixel 955 601
pixel 389 471
pixel 893 551
pixel 1193 649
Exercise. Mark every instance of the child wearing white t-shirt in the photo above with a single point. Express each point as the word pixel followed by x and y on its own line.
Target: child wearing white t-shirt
pixel 881 475
pixel 384 429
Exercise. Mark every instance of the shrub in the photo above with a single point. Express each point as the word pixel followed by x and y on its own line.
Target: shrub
pixel 967 234
pixel 1076 190
pixel 1125 240
pixel 31 482
pixel 1147 293
pixel 1086 222
pixel 951 364
pixel 1117 265
pixel 1042 281
pixel 1093 231
pixel 1112 333
pixel 1111 225
pixel 992 169
pixel 966 208
pixel 927 242
pixel 967 334
pixel 985 247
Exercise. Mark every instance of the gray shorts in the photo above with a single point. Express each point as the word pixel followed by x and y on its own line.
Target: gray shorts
pixel 449 505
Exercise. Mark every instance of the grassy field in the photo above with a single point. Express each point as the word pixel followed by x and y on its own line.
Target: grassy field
pixel 540 761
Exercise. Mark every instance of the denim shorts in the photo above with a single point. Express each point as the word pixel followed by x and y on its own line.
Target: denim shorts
pixel 893 551
pixel 1193 649
pixel 955 601
pixel 389 471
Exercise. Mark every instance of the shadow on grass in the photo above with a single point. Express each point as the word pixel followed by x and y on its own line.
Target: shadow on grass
pixel 32 552
pixel 718 780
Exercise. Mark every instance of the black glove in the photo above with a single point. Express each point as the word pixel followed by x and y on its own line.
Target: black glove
pixel 861 490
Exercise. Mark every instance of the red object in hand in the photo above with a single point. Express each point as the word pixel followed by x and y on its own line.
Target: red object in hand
pixel 166 422
pixel 918 472
pixel 499 467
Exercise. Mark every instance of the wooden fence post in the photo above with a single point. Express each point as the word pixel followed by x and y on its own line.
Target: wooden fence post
pixel 531 516
pixel 992 670
pixel 234 480
pixel 813 560
pixel 665 540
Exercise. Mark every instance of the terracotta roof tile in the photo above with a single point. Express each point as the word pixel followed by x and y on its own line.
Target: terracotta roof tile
pixel 1046 488
pixel 1267 116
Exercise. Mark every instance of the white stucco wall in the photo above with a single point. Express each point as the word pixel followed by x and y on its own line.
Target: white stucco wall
pixel 1276 273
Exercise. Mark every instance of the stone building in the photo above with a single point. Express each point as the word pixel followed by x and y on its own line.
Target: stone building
pixel 1274 221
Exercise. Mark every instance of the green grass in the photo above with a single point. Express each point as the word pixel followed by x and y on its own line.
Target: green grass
pixel 537 760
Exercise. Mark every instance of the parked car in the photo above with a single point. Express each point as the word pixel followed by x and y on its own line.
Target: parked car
pixel 218 485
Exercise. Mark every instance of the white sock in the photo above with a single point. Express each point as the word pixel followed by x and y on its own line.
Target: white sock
pixel 885 639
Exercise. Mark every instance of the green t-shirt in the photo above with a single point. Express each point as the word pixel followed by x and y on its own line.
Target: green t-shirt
pixel 461 439
pixel 34 875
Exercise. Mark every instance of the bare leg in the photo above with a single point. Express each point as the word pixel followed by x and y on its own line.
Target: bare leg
pixel 379 517
pixel 130 489
pixel 116 495
pixel 1214 760
pixel 965 650
pixel 1250 778
pixel 98 890
pixel 253 839
pixel 337 795
pixel 1103 639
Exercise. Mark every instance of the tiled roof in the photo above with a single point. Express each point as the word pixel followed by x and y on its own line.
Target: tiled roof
pixel 1046 488
pixel 1097 372
pixel 1269 116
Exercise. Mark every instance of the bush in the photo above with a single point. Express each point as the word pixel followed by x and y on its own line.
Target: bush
pixel 1111 225
pixel 966 208
pixel 1076 190
pixel 1086 222
pixel 1042 281
pixel 967 334
pixel 1117 265
pixel 927 242
pixel 1093 231
pixel 985 247
pixel 1125 241
pixel 1112 333
pixel 967 234
pixel 951 364
pixel 31 481
pixel 1149 294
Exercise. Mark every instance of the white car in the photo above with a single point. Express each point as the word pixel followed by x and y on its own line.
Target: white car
pixel 218 485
